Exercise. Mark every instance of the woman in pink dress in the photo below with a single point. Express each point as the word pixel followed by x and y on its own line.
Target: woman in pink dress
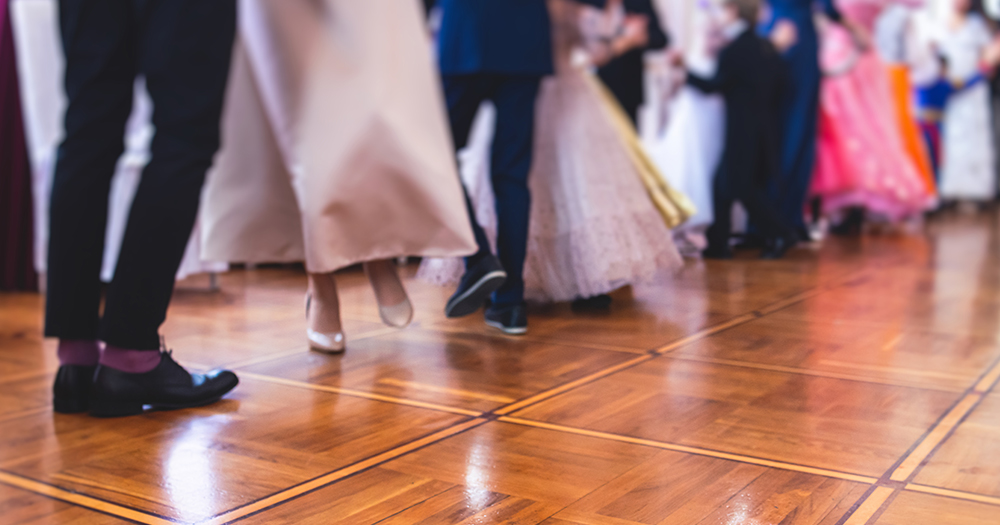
pixel 862 162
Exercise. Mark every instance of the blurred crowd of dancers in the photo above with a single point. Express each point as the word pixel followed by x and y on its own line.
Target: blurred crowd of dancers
pixel 597 142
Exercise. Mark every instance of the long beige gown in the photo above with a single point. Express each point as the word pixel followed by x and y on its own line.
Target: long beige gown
pixel 336 147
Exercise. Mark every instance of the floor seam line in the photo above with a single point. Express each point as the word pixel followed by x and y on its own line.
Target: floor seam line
pixel 80 499
pixel 689 449
pixel 332 477
pixel 700 335
pixel 799 371
pixel 970 393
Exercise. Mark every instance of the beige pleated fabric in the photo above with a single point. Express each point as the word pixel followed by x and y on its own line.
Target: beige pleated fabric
pixel 336 146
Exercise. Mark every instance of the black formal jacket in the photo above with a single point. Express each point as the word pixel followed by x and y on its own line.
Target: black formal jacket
pixel 624 75
pixel 751 78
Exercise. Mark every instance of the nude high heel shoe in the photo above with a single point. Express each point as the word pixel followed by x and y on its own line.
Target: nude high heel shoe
pixel 398 315
pixel 331 343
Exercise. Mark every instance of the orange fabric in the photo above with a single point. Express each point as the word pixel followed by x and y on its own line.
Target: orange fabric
pixel 916 148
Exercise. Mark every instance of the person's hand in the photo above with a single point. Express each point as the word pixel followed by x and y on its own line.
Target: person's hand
pixel 635 31
pixel 862 37
pixel 784 35
pixel 675 58
pixel 991 55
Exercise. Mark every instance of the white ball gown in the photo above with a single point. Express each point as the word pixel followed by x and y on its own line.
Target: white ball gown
pixel 689 150
pixel 968 171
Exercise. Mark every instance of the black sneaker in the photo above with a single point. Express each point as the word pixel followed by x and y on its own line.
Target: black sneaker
pixel 715 252
pixel 776 248
pixel 71 391
pixel 166 387
pixel 511 320
pixel 484 278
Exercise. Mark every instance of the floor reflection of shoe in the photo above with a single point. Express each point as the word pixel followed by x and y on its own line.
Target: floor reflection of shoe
pixel 71 391
pixel 597 303
pixel 511 320
pixel 478 283
pixel 324 343
pixel 167 387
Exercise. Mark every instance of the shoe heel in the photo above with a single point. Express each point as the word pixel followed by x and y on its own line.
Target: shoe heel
pixel 70 405
pixel 114 407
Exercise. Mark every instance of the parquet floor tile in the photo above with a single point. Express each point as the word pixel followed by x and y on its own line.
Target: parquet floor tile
pixel 848 384
pixel 20 507
pixel 675 488
pixel 192 465
pixel 471 371
pixel 867 352
pixel 911 508
pixel 835 424
pixel 969 460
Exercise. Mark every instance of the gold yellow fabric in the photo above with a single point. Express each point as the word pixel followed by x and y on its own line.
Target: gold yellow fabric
pixel 674 206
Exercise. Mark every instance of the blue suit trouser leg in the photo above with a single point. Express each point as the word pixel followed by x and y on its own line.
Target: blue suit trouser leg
pixel 510 164
pixel 463 96
pixel 513 144
pixel 798 156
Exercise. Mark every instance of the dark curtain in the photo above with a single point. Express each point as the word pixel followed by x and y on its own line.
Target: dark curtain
pixel 17 270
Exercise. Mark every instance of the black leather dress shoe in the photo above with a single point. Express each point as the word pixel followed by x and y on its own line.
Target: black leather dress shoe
pixel 750 241
pixel 511 320
pixel 166 387
pixel 597 303
pixel 71 391
pixel 714 252
pixel 776 248
pixel 478 283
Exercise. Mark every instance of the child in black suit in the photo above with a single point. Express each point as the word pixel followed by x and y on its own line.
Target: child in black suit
pixel 749 78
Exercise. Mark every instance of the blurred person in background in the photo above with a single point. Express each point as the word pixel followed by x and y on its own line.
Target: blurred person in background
pixel 600 213
pixel 968 149
pixel 624 73
pixel 497 51
pixel 800 106
pixel 338 137
pixel 863 168
pixel 750 76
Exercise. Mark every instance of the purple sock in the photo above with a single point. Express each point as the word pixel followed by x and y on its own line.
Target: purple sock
pixel 130 361
pixel 77 352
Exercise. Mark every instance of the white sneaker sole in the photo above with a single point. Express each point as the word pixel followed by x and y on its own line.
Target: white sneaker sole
pixel 506 330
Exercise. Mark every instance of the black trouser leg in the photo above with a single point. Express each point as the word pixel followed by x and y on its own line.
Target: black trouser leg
pixel 510 166
pixel 186 47
pixel 99 41
pixel 722 203
pixel 761 211
pixel 463 95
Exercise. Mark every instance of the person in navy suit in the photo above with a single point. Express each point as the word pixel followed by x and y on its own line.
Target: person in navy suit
pixel 498 51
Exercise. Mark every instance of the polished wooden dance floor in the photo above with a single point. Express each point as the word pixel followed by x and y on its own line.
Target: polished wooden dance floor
pixel 852 384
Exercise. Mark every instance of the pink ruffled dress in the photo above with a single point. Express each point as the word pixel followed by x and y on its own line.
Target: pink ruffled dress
pixel 861 157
